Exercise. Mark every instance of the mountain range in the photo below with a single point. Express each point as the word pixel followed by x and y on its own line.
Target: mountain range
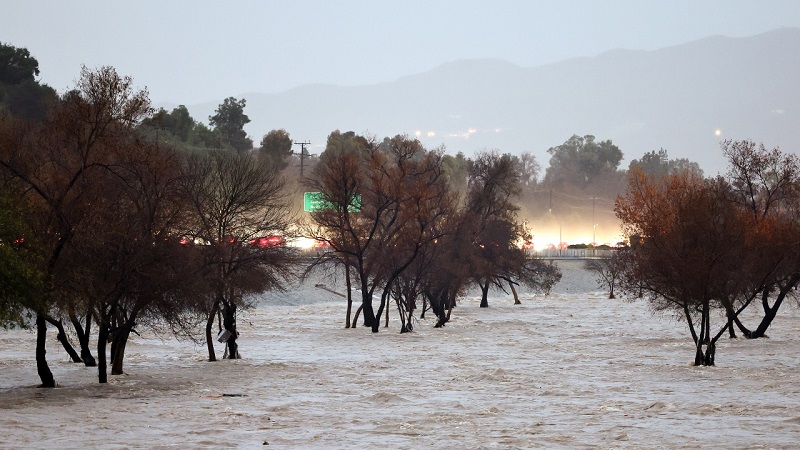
pixel 685 99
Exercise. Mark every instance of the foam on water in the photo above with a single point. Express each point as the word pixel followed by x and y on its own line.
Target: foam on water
pixel 566 370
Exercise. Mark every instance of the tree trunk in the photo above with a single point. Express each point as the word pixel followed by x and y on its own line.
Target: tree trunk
pixel 449 304
pixel 119 343
pixel 766 321
pixel 710 352
pixel 358 312
pixel 484 294
pixel 701 357
pixel 707 321
pixel 212 356
pixel 386 312
pixel 437 305
pixel 102 341
pixel 698 355
pixel 731 330
pixel 771 312
pixel 41 361
pixel 366 306
pixel 349 295
pixel 118 350
pixel 730 315
pixel 402 313
pixel 376 324
pixel 408 325
pixel 688 316
pixel 229 322
pixel 62 337
pixel 83 338
pixel 514 292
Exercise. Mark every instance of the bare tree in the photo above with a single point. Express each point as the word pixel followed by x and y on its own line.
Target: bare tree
pixel 339 180
pixel 608 270
pixel 403 195
pixel 426 203
pixel 492 224
pixel 765 183
pixel 240 211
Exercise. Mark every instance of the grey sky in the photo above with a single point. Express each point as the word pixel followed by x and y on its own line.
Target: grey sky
pixel 195 51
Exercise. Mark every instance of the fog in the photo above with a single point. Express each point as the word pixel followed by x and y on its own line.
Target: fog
pixel 554 216
pixel 549 230
pixel 677 98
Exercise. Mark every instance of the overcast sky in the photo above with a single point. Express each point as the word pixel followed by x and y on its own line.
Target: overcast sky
pixel 191 51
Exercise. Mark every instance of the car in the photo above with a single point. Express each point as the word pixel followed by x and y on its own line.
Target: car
pixel 267 241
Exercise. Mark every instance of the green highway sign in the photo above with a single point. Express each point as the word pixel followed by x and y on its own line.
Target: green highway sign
pixel 315 201
pixel 355 204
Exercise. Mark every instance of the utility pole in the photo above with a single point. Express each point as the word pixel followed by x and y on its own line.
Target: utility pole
pixel 302 154
pixel 594 224
pixel 594 228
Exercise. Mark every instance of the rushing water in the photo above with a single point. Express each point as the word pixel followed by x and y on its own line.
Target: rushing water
pixel 572 369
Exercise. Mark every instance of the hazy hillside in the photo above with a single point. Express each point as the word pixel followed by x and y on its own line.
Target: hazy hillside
pixel 675 98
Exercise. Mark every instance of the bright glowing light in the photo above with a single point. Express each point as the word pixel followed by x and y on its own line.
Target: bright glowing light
pixel 302 242
pixel 717 132
pixel 548 238
pixel 463 134
pixel 431 134
pixel 418 133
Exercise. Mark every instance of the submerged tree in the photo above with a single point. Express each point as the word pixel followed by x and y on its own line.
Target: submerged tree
pixel 608 270
pixel 495 231
pixel 718 244
pixel 59 162
pixel 765 184
pixel 239 209
pixel 690 248
pixel 338 177
pixel 448 271
pixel 383 204
pixel 130 268
pixel 425 203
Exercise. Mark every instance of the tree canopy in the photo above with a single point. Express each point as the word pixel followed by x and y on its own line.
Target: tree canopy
pixel 17 65
pixel 580 160
pixel 657 164
pixel 276 148
pixel 20 93
pixel 718 244
pixel 229 122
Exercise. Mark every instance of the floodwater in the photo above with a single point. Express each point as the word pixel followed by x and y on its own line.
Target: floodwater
pixel 569 370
